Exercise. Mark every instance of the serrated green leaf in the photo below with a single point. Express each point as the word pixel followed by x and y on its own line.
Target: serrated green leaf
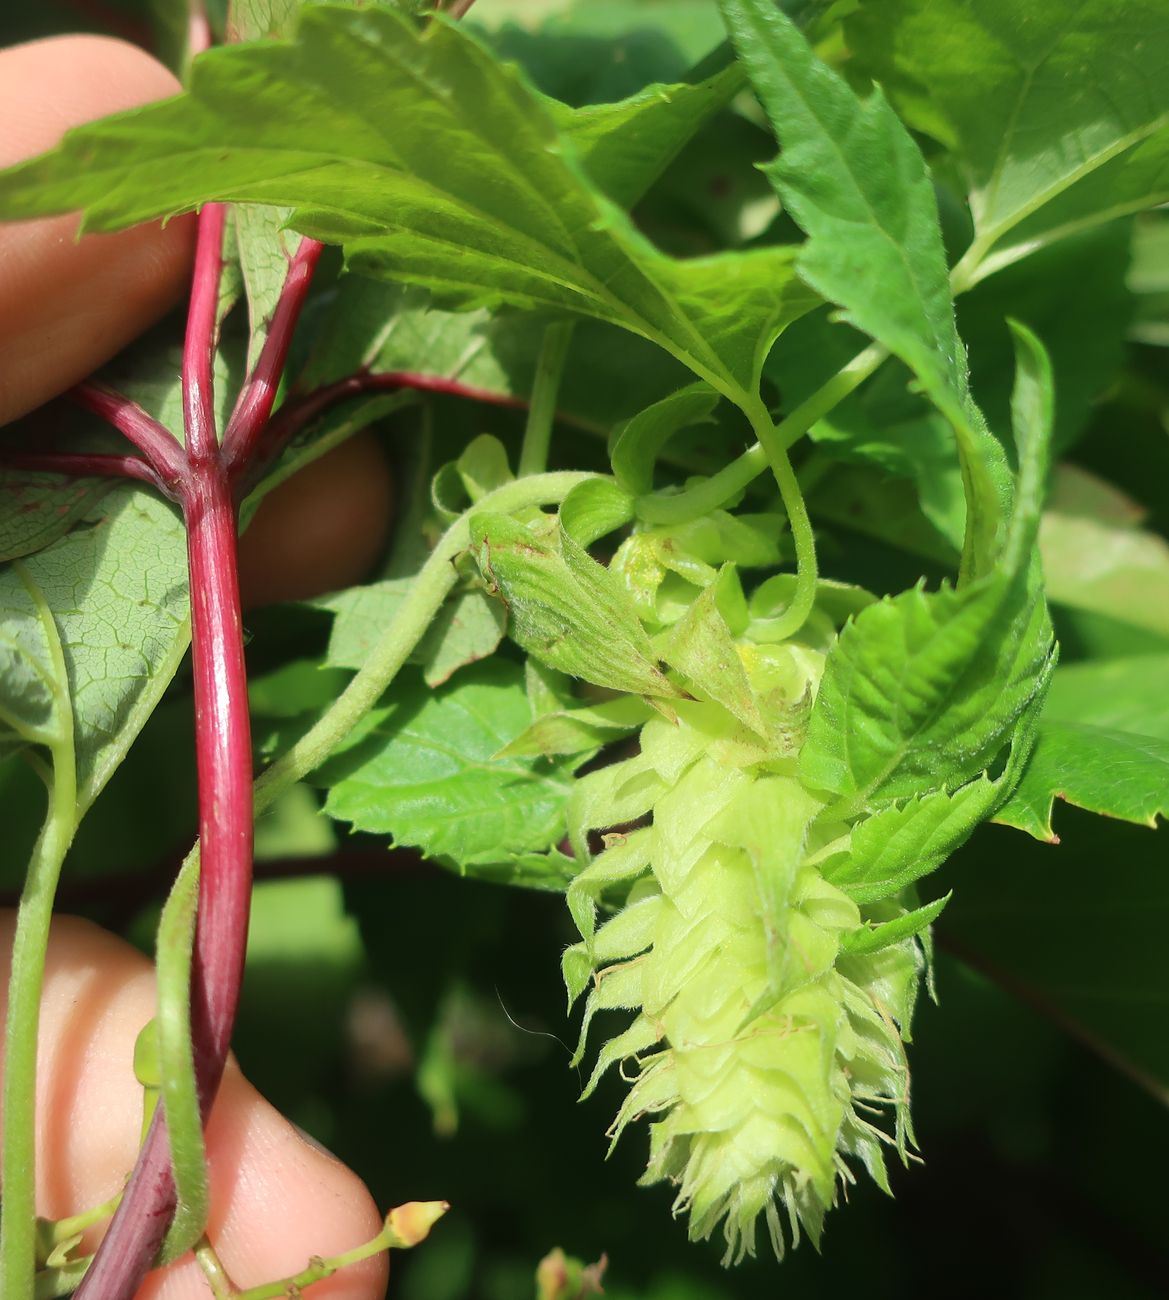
pixel 922 691
pixel 874 938
pixel 429 775
pixel 475 196
pixel 851 175
pixel 908 840
pixel 1053 130
pixel 565 608
pixel 1117 773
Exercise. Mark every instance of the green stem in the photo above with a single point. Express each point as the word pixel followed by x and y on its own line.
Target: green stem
pixel 176 1059
pixel 18 1222
pixel 807 574
pixel 542 411
pixel 433 584
pixel 716 491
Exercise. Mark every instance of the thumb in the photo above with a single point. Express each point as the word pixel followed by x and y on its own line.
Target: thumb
pixel 276 1198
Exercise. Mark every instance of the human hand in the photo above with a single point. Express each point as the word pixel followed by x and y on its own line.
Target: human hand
pixel 65 308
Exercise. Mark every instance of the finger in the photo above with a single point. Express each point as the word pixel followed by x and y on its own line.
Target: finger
pixel 66 306
pixel 320 530
pixel 276 1199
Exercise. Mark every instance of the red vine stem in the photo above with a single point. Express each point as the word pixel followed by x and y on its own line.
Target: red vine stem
pixel 299 412
pixel 199 346
pixel 254 404
pixel 153 440
pixel 224 763
pixel 84 465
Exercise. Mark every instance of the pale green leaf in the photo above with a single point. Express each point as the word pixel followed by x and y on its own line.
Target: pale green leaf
pixel 700 646
pixel 117 588
pixel 563 607
pixel 636 444
pixel 264 248
pixel 474 194
pixel 37 509
pixel 1097 558
pixel 32 696
pixel 1130 694
pixel 468 627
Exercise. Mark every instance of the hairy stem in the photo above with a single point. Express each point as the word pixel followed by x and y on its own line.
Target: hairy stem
pixel 223 751
pixel 542 411
pixel 807 573
pixel 716 491
pixel 26 981
pixel 430 588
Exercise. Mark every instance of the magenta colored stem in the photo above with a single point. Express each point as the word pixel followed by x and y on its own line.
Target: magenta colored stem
pixel 83 465
pixel 254 405
pixel 224 761
pixel 199 345
pixel 153 440
pixel 299 412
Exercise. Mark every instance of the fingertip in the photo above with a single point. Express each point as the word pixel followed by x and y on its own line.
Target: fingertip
pixel 278 1201
pixel 67 306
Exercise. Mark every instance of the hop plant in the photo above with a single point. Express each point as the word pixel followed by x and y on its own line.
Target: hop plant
pixel 757 853
pixel 763 1051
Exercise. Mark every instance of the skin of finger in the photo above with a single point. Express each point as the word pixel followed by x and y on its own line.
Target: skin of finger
pixel 277 1199
pixel 320 530
pixel 67 306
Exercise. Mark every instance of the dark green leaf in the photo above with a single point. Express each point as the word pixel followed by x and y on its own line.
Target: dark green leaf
pixel 1054 126
pixel 1076 929
pixel 428 776
pixel 852 177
